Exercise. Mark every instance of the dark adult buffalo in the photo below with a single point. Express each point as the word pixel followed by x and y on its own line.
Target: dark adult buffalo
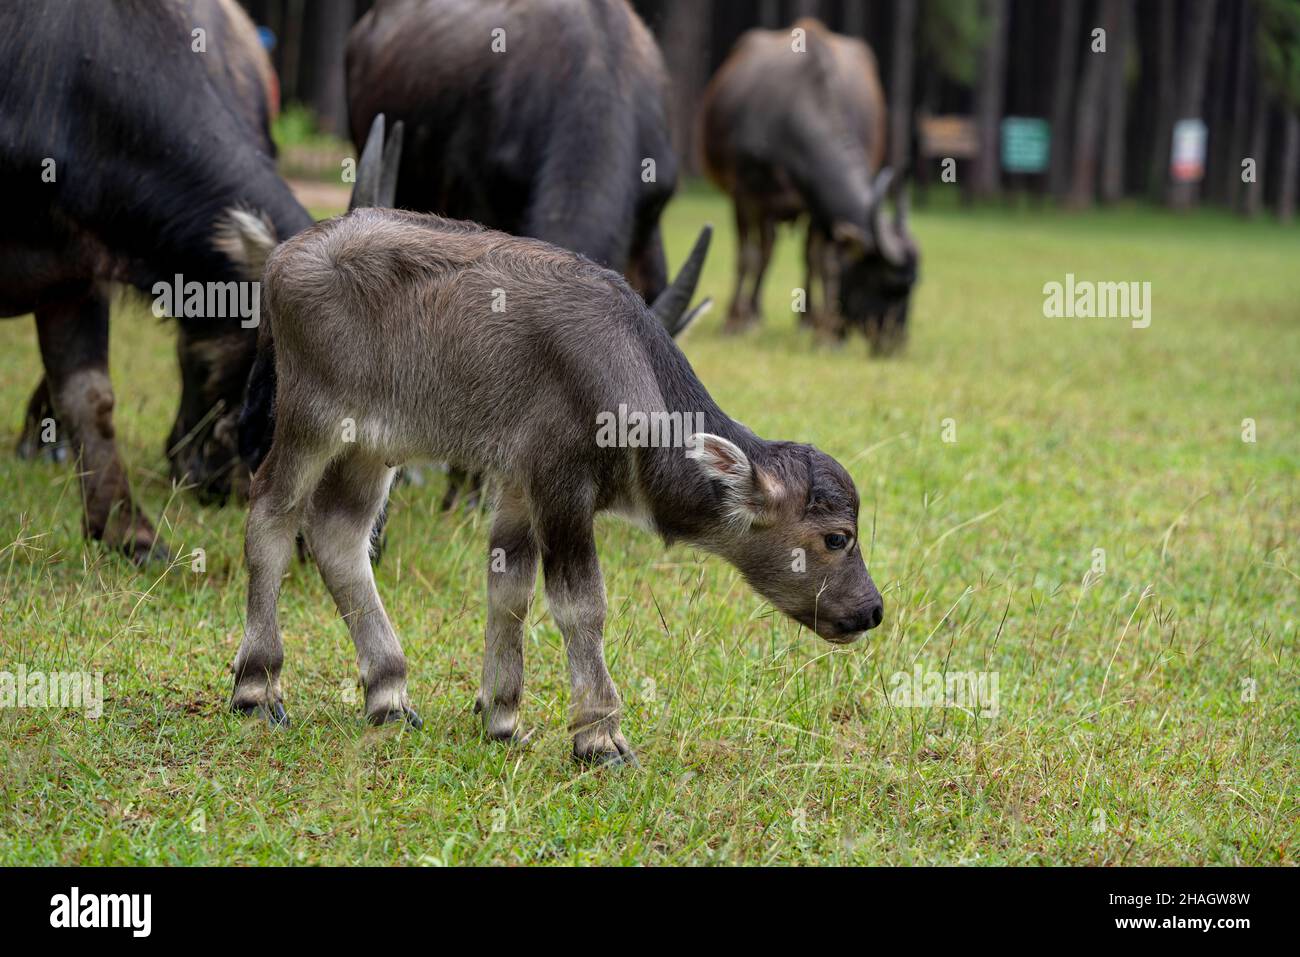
pixel 128 132
pixel 545 119
pixel 792 123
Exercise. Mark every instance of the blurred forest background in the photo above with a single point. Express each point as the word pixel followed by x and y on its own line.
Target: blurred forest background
pixel 1214 83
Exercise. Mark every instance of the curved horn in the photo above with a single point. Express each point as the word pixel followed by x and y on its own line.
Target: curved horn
pixel 369 168
pixel 670 305
pixel 386 195
pixel 888 240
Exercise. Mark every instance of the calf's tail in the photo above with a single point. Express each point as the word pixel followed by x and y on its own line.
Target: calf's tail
pixel 248 239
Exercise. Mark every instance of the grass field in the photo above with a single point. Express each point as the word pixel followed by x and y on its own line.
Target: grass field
pixel 1146 714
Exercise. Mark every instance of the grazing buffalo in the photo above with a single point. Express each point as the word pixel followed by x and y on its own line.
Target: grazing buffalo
pixel 128 131
pixel 793 123
pixel 573 398
pixel 545 119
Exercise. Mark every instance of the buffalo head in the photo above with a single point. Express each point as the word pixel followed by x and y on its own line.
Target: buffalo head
pixel 878 267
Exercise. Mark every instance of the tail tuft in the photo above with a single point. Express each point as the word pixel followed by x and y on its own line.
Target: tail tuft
pixel 247 238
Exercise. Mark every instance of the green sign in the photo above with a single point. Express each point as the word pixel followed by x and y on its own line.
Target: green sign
pixel 1026 144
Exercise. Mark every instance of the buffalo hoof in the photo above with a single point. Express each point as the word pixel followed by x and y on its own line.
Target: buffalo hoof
pixel 31 448
pixel 147 553
pixel 511 738
pixel 614 753
pixel 394 715
pixel 273 714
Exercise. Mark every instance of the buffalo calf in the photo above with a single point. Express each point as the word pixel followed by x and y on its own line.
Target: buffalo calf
pixel 399 335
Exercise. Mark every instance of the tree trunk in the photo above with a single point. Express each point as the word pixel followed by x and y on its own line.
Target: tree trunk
pixel 1290 161
pixel 1192 88
pixel 686 54
pixel 1239 148
pixel 855 18
pixel 1067 60
pixel 1166 95
pixel 1220 101
pixel 988 100
pixel 1119 26
pixel 900 86
pixel 291 43
pixel 1088 115
pixel 1253 193
pixel 330 36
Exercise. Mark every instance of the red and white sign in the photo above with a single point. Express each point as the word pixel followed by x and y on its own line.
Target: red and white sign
pixel 1187 152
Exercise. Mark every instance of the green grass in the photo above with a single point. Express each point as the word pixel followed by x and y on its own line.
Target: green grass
pixel 1121 698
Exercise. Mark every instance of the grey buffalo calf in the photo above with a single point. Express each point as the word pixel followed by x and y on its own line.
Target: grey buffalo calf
pixel 440 339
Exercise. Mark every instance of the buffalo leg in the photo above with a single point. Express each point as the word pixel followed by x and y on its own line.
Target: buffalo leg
pixel 276 504
pixel 73 337
pixel 830 321
pixel 461 485
pixel 738 315
pixel 512 576
pixel 339 523
pixel 38 424
pixel 811 317
pixel 766 240
pixel 575 592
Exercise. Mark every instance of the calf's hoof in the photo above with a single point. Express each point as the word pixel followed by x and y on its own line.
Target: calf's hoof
pixel 500 724
pixel 393 715
pixel 605 751
pixel 273 713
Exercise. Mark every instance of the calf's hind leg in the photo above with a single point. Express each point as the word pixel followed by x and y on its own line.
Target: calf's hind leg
pixel 512 576
pixel 276 503
pixel 339 521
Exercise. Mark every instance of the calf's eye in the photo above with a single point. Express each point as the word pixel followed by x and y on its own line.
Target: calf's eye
pixel 835 541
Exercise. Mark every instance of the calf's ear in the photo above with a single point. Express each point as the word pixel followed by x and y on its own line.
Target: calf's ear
pixel 750 492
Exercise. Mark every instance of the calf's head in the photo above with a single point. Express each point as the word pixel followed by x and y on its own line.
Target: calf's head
pixel 790 524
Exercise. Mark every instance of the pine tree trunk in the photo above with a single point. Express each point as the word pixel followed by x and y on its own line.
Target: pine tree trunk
pixel 1166 96
pixel 1067 60
pixel 686 38
pixel 900 87
pixel 1088 115
pixel 329 33
pixel 1290 164
pixel 1253 193
pixel 1192 88
pixel 1220 102
pixel 1239 147
pixel 1119 26
pixel 988 100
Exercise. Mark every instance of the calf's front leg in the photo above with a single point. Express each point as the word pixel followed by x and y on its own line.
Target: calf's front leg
pixel 575 592
pixel 512 575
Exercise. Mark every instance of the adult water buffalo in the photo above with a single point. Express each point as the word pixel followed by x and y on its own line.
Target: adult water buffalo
pixel 545 119
pixel 128 132
pixel 792 123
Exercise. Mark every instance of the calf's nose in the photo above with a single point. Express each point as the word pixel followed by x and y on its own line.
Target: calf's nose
pixel 866 618
pixel 875 614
